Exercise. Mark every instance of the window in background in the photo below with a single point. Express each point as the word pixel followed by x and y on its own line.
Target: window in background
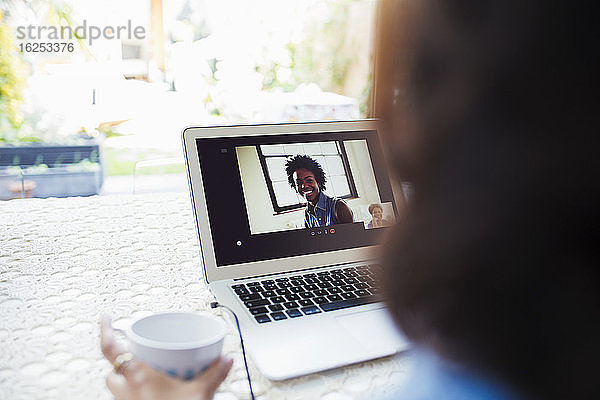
pixel 330 155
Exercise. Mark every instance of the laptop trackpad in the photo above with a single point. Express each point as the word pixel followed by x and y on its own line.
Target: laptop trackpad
pixel 374 329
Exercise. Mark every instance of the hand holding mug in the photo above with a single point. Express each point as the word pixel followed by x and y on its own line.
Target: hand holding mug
pixel 134 379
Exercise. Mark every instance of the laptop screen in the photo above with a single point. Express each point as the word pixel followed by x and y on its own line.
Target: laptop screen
pixel 277 196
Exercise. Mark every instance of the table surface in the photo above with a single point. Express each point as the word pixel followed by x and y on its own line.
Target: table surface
pixel 65 262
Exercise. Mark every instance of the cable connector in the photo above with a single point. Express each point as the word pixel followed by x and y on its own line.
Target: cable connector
pixel 215 304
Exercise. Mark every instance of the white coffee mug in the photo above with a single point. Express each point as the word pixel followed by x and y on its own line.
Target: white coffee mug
pixel 179 344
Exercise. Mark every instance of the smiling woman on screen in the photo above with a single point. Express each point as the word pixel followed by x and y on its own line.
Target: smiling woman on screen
pixel 306 176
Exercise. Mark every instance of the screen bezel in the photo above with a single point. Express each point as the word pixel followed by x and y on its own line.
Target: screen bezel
pixel 286 264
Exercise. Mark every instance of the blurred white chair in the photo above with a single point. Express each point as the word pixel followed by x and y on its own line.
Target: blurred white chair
pixel 166 181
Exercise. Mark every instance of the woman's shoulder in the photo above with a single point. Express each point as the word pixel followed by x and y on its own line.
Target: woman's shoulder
pixel 434 378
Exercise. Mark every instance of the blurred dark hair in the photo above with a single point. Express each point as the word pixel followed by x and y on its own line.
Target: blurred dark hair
pixel 296 162
pixel 487 108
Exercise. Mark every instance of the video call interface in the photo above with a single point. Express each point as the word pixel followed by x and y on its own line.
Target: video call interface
pixel 278 196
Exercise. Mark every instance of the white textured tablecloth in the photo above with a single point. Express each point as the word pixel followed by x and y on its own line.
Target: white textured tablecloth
pixel 64 262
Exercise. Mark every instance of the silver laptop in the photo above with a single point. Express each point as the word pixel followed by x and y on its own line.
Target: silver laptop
pixel 288 217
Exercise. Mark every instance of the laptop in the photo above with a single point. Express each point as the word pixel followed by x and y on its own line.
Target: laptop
pixel 289 217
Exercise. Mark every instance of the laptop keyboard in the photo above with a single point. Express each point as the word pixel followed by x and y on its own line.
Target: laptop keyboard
pixel 278 299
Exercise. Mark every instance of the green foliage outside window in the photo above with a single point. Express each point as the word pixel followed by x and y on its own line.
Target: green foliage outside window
pixel 13 71
pixel 324 56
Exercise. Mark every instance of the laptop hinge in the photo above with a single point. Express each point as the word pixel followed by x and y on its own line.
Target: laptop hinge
pixel 302 270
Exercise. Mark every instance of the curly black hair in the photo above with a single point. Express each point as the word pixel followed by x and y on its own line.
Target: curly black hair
pixel 296 162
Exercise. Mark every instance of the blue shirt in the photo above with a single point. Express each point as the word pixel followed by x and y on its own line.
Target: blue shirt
pixel 433 378
pixel 322 214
